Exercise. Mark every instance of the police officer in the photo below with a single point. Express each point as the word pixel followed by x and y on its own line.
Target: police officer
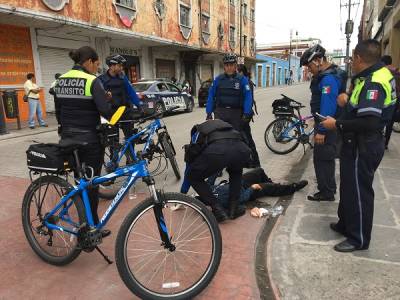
pixel 229 97
pixel 369 108
pixel 119 89
pixel 222 147
pixel 82 99
pixel 325 86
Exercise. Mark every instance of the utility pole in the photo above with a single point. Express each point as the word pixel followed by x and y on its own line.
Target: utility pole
pixel 240 28
pixel 348 32
pixel 290 50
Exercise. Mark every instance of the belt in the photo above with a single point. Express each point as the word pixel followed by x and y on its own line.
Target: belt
pixel 77 130
pixel 228 106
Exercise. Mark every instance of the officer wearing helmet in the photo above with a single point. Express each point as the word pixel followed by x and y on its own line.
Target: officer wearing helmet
pixel 229 97
pixel 119 89
pixel 327 83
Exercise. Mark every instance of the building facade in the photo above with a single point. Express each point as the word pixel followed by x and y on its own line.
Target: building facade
pixel 184 39
pixel 281 50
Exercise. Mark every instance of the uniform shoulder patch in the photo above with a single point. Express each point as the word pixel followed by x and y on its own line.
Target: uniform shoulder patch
pixel 247 87
pixel 326 89
pixel 372 95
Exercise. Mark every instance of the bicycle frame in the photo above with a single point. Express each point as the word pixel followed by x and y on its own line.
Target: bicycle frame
pixel 300 121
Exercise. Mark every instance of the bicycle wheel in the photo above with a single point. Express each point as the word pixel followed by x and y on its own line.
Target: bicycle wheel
pixel 152 272
pixel 53 246
pixel 396 127
pixel 166 144
pixel 110 189
pixel 279 139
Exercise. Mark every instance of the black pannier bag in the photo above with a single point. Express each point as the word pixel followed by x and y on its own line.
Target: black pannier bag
pixel 282 107
pixel 47 158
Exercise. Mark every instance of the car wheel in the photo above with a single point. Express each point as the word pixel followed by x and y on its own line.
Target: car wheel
pixel 189 105
pixel 159 108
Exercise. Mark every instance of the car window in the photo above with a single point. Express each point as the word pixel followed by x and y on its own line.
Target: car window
pixel 141 87
pixel 162 87
pixel 173 88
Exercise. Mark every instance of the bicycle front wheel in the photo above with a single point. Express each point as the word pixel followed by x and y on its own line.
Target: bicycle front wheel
pixel 53 246
pixel 150 270
pixel 396 127
pixel 281 136
pixel 169 151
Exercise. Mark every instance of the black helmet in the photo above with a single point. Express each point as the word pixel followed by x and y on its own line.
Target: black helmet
pixel 316 51
pixel 229 58
pixel 115 59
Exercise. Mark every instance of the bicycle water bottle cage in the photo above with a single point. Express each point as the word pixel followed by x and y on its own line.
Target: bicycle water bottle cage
pixel 88 238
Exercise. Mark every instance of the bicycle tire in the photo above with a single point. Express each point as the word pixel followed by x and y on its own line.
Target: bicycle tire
pixel 268 143
pixel 396 127
pixel 169 151
pixel 26 220
pixel 122 239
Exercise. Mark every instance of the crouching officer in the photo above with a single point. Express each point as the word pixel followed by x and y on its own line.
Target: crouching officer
pixel 229 97
pixel 215 145
pixel 370 106
pixel 82 99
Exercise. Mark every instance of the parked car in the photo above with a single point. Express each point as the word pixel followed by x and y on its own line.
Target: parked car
pixel 203 92
pixel 159 95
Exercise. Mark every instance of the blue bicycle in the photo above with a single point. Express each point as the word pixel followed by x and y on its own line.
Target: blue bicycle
pixel 168 247
pixel 288 130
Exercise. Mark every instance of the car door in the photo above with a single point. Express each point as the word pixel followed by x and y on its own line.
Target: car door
pixel 179 99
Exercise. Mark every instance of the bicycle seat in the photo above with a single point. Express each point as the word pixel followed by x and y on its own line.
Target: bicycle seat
pixel 70 145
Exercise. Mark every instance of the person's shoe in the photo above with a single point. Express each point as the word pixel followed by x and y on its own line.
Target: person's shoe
pixel 346 246
pixel 335 228
pixel 300 185
pixel 319 197
pixel 219 214
pixel 238 212
pixel 105 233
pixel 44 125
pixel 32 127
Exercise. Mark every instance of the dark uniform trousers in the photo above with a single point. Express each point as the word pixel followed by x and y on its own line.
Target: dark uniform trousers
pixel 324 164
pixel 356 206
pixel 230 154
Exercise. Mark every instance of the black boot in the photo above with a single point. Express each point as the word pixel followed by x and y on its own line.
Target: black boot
pixel 219 213
pixel 236 210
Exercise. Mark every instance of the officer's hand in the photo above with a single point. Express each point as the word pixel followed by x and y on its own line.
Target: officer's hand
pixel 209 117
pixel 319 139
pixel 329 123
pixel 342 99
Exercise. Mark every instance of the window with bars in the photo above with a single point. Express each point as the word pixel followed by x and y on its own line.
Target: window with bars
pixel 232 2
pixel 231 34
pixel 184 15
pixel 252 45
pixel 244 10
pixel 127 3
pixel 244 45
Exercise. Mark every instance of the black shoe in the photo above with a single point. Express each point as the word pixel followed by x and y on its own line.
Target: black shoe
pixel 105 233
pixel 319 197
pixel 300 185
pixel 32 127
pixel 346 246
pixel 335 228
pixel 238 212
pixel 219 213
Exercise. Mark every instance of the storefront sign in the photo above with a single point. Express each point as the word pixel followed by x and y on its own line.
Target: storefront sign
pixel 124 51
pixel 16 59
pixel 55 4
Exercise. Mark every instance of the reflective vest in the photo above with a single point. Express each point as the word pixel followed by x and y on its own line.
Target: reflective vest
pixel 229 92
pixel 116 86
pixel 73 91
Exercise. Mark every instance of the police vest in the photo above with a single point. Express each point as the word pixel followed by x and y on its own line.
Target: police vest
pixel 384 77
pixel 206 133
pixel 316 92
pixel 116 86
pixel 78 110
pixel 229 92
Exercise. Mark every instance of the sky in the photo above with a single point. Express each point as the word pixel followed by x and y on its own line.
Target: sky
pixel 310 18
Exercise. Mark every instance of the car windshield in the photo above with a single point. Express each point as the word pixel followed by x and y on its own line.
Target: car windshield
pixel 141 87
pixel 205 84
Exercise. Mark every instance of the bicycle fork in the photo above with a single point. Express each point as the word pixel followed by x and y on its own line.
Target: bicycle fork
pixel 159 200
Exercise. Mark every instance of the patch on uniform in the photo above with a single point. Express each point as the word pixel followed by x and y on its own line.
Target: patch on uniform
pixel 237 85
pixel 247 87
pixel 372 95
pixel 326 89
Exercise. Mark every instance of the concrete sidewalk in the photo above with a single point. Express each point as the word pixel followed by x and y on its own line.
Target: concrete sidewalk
pixel 301 261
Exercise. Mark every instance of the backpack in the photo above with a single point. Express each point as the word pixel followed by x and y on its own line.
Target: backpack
pixel 206 133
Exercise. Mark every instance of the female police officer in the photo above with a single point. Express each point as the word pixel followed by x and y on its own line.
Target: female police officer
pixel 370 106
pixel 82 99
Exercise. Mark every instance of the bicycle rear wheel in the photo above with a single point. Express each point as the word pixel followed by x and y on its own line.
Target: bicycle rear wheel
pixel 396 127
pixel 281 136
pixel 166 144
pixel 150 270
pixel 53 246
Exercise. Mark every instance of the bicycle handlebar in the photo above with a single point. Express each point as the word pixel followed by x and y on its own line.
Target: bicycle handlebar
pixel 153 116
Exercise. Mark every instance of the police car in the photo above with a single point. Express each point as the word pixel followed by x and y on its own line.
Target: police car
pixel 159 95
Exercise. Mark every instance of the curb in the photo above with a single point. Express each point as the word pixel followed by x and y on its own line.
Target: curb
pixel 10 136
pixel 266 286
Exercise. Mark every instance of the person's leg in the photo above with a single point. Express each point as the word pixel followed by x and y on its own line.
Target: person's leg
pixel 32 109
pixel 388 132
pixel 255 160
pixel 39 114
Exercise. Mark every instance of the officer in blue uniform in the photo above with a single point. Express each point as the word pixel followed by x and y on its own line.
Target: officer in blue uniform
pixel 229 97
pixel 119 89
pixel 327 83
pixel 369 108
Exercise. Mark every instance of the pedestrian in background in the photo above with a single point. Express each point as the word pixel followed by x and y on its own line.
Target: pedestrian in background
pixel 369 109
pixel 53 93
pixel 325 86
pixel 32 92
